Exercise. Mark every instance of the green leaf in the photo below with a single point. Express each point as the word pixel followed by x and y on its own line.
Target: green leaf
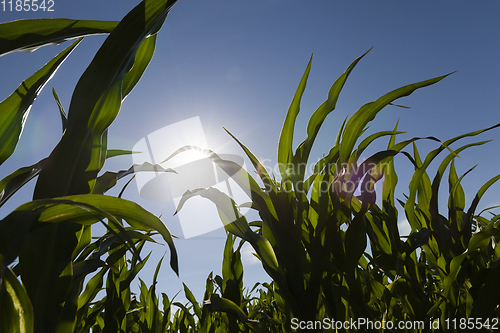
pixel 416 240
pixel 355 240
pixel 487 300
pixel 457 194
pixel 480 240
pixel 64 118
pixel 367 113
pixel 240 176
pixel 232 271
pixel 235 223
pixel 13 182
pixel 84 209
pixel 455 267
pixel 92 287
pixel 390 181
pixel 166 311
pixel 153 313
pixel 73 165
pixel 368 140
pixel 424 190
pixel 470 212
pixel 67 209
pixel 313 126
pixel 14 109
pixel 109 179
pixel 346 184
pixel 119 63
pixel 418 174
pixel 48 303
pixel 143 56
pixel 186 315
pixel 192 299
pixel 16 313
pixel 285 153
pixel 444 164
pixel 29 35
pixel 216 303
pixel 119 152
pixel 261 170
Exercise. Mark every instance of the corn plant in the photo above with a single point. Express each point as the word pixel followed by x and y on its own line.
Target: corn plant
pixel 315 224
pixel 227 305
pixel 229 308
pixel 45 245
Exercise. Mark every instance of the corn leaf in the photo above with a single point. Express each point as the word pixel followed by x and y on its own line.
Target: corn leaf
pixel 235 223
pixel 261 170
pixel 68 211
pixel 217 303
pixel 487 300
pixel 192 299
pixel 285 153
pixel 119 152
pixel 467 222
pixel 135 215
pixel 16 313
pixel 240 176
pixel 313 126
pixel 14 110
pixel 109 179
pixel 418 174
pixel 29 35
pixel 367 113
pixel 73 165
pixel 97 100
pixel 62 113
pixel 13 182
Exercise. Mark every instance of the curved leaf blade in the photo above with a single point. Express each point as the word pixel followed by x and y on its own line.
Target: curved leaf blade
pixel 313 126
pixel 14 109
pixel 16 313
pixel 31 34
pixel 367 113
pixel 285 153
pixel 96 101
pixel 84 209
pixel 13 182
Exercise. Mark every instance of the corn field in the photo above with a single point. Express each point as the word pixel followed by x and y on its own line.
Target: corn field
pixel 328 239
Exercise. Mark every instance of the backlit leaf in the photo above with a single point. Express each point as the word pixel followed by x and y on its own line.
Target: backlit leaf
pixel 29 35
pixel 14 110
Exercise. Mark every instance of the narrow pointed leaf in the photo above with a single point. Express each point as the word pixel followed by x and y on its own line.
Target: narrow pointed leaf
pixel 13 182
pixel 313 126
pixel 64 118
pixel 14 110
pixel 235 223
pixel 82 209
pixel 286 137
pixel 217 303
pixel 95 103
pixel 108 179
pixel 418 174
pixel 261 170
pixel 473 206
pixel 240 176
pixel 192 299
pixel 119 152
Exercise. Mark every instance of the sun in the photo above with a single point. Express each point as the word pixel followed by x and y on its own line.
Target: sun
pixel 182 151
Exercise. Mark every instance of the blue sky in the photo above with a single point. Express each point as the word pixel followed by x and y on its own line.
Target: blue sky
pixel 237 64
